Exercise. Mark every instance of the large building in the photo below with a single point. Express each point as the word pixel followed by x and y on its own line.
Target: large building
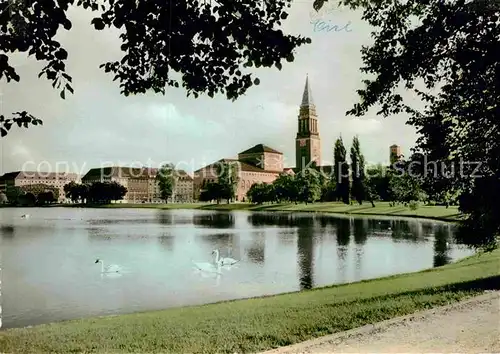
pixel 308 141
pixel 36 182
pixel 262 164
pixel 141 183
pixel 259 164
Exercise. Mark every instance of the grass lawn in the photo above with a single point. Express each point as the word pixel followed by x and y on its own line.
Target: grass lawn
pixel 381 208
pixel 263 323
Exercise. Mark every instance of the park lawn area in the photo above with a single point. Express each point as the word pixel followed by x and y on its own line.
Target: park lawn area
pixel 260 324
pixel 381 208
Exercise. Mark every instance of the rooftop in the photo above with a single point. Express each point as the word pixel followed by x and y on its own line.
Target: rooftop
pixel 307 98
pixel 38 175
pixel 260 148
pixel 243 165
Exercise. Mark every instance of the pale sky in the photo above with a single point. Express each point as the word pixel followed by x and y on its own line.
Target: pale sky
pixel 97 125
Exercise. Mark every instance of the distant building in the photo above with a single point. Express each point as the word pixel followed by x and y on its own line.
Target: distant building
pixel 183 190
pixel 141 183
pixel 395 154
pixel 262 164
pixel 36 182
pixel 132 178
pixel 259 164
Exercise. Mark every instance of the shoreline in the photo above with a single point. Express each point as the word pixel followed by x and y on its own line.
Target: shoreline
pixel 438 213
pixel 264 323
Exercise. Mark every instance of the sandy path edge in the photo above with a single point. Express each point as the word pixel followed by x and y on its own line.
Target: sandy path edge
pixel 370 338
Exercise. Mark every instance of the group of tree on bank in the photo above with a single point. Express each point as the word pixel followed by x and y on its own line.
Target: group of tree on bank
pixel 225 186
pixel 95 193
pixel 348 181
pixel 31 195
pixel 109 191
pixel 457 122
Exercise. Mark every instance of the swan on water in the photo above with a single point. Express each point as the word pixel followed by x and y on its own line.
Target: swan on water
pixel 112 268
pixel 224 261
pixel 25 216
pixel 208 267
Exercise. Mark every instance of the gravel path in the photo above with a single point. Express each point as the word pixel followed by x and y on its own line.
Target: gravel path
pixel 472 326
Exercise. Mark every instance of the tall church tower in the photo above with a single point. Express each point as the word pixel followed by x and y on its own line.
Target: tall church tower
pixel 307 143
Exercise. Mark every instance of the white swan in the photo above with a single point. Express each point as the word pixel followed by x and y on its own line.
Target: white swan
pixel 224 261
pixel 112 268
pixel 25 216
pixel 208 267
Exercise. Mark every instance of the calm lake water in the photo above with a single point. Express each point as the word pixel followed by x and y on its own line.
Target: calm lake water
pixel 49 272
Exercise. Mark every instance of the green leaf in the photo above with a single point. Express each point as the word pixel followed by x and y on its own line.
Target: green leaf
pixel 62 94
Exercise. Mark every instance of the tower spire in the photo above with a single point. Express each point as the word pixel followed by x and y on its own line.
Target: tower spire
pixel 307 99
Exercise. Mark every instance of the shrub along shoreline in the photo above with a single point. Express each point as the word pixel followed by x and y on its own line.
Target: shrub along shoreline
pixel 264 323
pixel 381 209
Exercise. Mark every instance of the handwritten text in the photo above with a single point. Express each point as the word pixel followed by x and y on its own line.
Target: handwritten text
pixel 323 26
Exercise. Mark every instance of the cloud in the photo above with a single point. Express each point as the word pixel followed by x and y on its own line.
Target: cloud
pixel 363 126
pixel 97 124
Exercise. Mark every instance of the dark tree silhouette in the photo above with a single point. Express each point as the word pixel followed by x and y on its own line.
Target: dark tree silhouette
pixel 341 172
pixel 451 47
pixel 209 45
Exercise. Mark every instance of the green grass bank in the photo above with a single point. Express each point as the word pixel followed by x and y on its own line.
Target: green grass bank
pixel 259 324
pixel 381 208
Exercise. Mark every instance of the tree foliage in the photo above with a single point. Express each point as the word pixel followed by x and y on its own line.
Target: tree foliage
pixel 76 192
pixel 211 191
pixel 105 192
pixel 71 191
pixel 46 197
pixel 31 194
pixel 95 193
pixel 13 193
pixel 203 46
pixel 341 171
pixel 445 52
pixel 260 193
pixel 358 190
pixel 167 180
pixel 307 186
pixel 227 180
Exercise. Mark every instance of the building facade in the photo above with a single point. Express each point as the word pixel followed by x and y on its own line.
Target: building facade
pixel 184 188
pixel 141 183
pixel 259 164
pixel 37 182
pixel 395 154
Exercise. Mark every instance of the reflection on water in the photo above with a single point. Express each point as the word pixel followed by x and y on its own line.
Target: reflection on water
pixel 441 251
pixel 49 272
pixel 305 250
pixel 255 250
pixel 360 230
pixel 214 220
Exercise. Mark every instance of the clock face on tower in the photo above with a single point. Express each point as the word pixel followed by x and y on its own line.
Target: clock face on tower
pixel 302 142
